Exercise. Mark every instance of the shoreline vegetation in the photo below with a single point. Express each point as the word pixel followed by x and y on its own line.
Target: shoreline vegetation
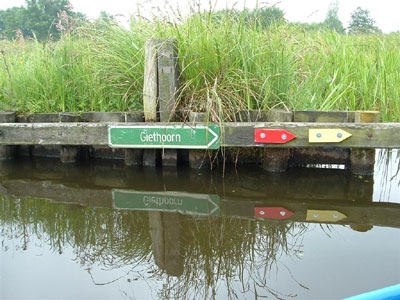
pixel 228 64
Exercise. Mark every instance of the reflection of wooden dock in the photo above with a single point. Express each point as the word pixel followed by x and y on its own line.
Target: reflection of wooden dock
pixel 358 214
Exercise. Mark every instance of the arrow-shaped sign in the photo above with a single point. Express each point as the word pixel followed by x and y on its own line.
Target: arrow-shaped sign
pixel 272 136
pixel 324 215
pixel 272 212
pixel 185 203
pixel 165 136
pixel 327 135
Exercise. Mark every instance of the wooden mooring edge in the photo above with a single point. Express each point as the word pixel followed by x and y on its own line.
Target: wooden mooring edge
pixel 232 134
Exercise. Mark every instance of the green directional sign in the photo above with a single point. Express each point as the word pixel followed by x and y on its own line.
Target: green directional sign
pixel 165 136
pixel 185 203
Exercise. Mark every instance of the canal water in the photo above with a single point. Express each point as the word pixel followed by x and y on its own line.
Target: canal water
pixel 101 230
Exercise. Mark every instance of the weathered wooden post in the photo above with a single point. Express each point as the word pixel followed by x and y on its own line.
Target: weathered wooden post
pixel 134 157
pixel 277 159
pixel 363 160
pixel 167 60
pixel 69 153
pixel 41 150
pixel 104 152
pixel 198 159
pixel 150 94
pixel 321 155
pixel 7 152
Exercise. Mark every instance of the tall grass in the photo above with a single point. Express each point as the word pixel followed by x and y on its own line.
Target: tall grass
pixel 228 63
pixel 99 67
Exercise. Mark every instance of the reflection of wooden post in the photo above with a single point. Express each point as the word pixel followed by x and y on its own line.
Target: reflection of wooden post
pixel 167 90
pixel 165 236
pixel 7 152
pixel 157 238
pixel 277 159
pixel 363 160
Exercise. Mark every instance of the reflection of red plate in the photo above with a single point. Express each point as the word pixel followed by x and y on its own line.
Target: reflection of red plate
pixel 273 136
pixel 272 212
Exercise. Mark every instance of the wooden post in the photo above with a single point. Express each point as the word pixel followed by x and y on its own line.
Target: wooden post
pixel 277 159
pixel 150 94
pixel 198 159
pixel 363 160
pixel 96 151
pixel 69 153
pixel 320 155
pixel 42 150
pixel 7 152
pixel 167 59
pixel 150 84
pixel 168 85
pixel 134 157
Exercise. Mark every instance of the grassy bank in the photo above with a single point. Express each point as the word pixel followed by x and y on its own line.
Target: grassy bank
pixel 227 65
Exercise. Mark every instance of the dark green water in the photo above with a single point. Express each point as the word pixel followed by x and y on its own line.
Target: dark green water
pixel 105 231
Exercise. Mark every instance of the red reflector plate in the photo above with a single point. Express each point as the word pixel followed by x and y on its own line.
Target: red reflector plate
pixel 272 212
pixel 273 136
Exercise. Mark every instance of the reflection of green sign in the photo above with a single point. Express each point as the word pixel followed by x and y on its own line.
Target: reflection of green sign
pixel 185 203
pixel 165 136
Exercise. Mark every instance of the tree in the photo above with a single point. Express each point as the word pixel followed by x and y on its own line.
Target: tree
pixel 11 20
pixel 362 23
pixel 42 15
pixel 267 16
pixel 332 20
pixel 40 18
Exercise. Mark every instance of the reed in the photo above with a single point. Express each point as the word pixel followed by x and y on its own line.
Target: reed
pixel 228 63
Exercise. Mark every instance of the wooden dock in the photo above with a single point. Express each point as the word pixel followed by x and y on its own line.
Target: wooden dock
pixel 232 134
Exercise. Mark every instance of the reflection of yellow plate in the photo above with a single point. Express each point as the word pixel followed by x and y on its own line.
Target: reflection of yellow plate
pixel 324 215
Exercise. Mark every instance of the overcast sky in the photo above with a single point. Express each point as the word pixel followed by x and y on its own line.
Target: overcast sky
pixel 384 12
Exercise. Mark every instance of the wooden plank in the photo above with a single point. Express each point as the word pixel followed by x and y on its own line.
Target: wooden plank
pixel 54 134
pixel 362 161
pixel 364 135
pixel 321 116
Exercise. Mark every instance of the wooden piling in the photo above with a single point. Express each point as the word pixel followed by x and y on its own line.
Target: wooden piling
pixel 150 84
pixel 167 60
pixel 363 160
pixel 134 157
pixel 7 152
pixel 321 155
pixel 40 150
pixel 96 151
pixel 68 153
pixel 198 159
pixel 167 66
pixel 150 95
pixel 277 159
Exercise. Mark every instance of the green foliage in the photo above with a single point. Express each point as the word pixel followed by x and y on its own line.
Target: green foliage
pixel 362 22
pixel 40 19
pixel 332 20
